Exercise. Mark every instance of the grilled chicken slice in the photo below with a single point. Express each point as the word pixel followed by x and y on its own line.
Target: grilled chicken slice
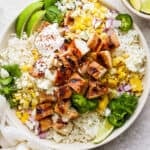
pixel 43 113
pixel 110 41
pixel 63 92
pixel 77 83
pixel 99 47
pixel 64 109
pixel 78 48
pixel 43 106
pixel 72 61
pixel 81 46
pixel 68 59
pixel 83 67
pixel 45 124
pixel 92 56
pixel 58 125
pixel 62 75
pixel 93 42
pixel 72 114
pixel 96 90
pixel 43 97
pixel 72 48
pixel 106 58
pixel 68 19
pixel 96 70
pixel 63 129
pixel 105 42
pixel 114 40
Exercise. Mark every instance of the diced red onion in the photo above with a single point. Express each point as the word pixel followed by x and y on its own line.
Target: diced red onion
pixel 43 135
pixel 96 22
pixel 127 88
pixel 109 23
pixel 124 88
pixel 116 23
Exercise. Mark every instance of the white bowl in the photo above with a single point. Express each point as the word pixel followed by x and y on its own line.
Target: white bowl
pixel 45 144
pixel 133 10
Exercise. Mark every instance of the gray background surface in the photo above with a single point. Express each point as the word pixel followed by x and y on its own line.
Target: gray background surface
pixel 137 137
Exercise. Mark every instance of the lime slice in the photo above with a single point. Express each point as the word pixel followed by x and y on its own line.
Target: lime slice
pixel 34 21
pixel 105 129
pixel 145 6
pixel 136 4
pixel 25 15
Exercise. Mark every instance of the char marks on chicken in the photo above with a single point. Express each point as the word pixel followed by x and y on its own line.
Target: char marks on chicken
pixel 81 67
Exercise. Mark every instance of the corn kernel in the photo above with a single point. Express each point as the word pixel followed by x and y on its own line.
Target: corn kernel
pixel 136 83
pixel 112 82
pixel 35 54
pixel 103 104
pixel 25 68
pixel 97 5
pixel 25 104
pixel 116 61
pixel 25 117
pixel 121 75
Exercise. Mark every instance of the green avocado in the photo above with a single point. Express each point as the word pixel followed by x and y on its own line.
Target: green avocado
pixel 25 15
pixel 34 21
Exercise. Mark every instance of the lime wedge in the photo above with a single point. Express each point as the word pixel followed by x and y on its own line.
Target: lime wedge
pixel 105 129
pixel 25 15
pixel 145 6
pixel 136 4
pixel 34 21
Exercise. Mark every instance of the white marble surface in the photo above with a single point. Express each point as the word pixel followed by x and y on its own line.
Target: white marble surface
pixel 135 138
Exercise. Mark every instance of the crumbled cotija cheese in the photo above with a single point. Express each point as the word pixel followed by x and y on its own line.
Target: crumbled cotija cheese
pixel 135 61
pixel 129 44
pixel 49 40
pixel 40 66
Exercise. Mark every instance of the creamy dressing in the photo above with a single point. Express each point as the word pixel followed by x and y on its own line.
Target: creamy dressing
pixel 49 40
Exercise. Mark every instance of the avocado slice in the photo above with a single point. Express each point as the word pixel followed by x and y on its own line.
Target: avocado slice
pixel 145 6
pixel 25 15
pixel 136 4
pixel 34 21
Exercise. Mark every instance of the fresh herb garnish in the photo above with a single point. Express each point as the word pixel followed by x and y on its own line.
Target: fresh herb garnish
pixel 13 70
pixel 6 81
pixel 48 3
pixel 7 85
pixel 82 105
pixel 122 108
pixel 53 15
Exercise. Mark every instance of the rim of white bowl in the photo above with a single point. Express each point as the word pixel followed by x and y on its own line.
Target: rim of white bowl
pixel 133 10
pixel 119 131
